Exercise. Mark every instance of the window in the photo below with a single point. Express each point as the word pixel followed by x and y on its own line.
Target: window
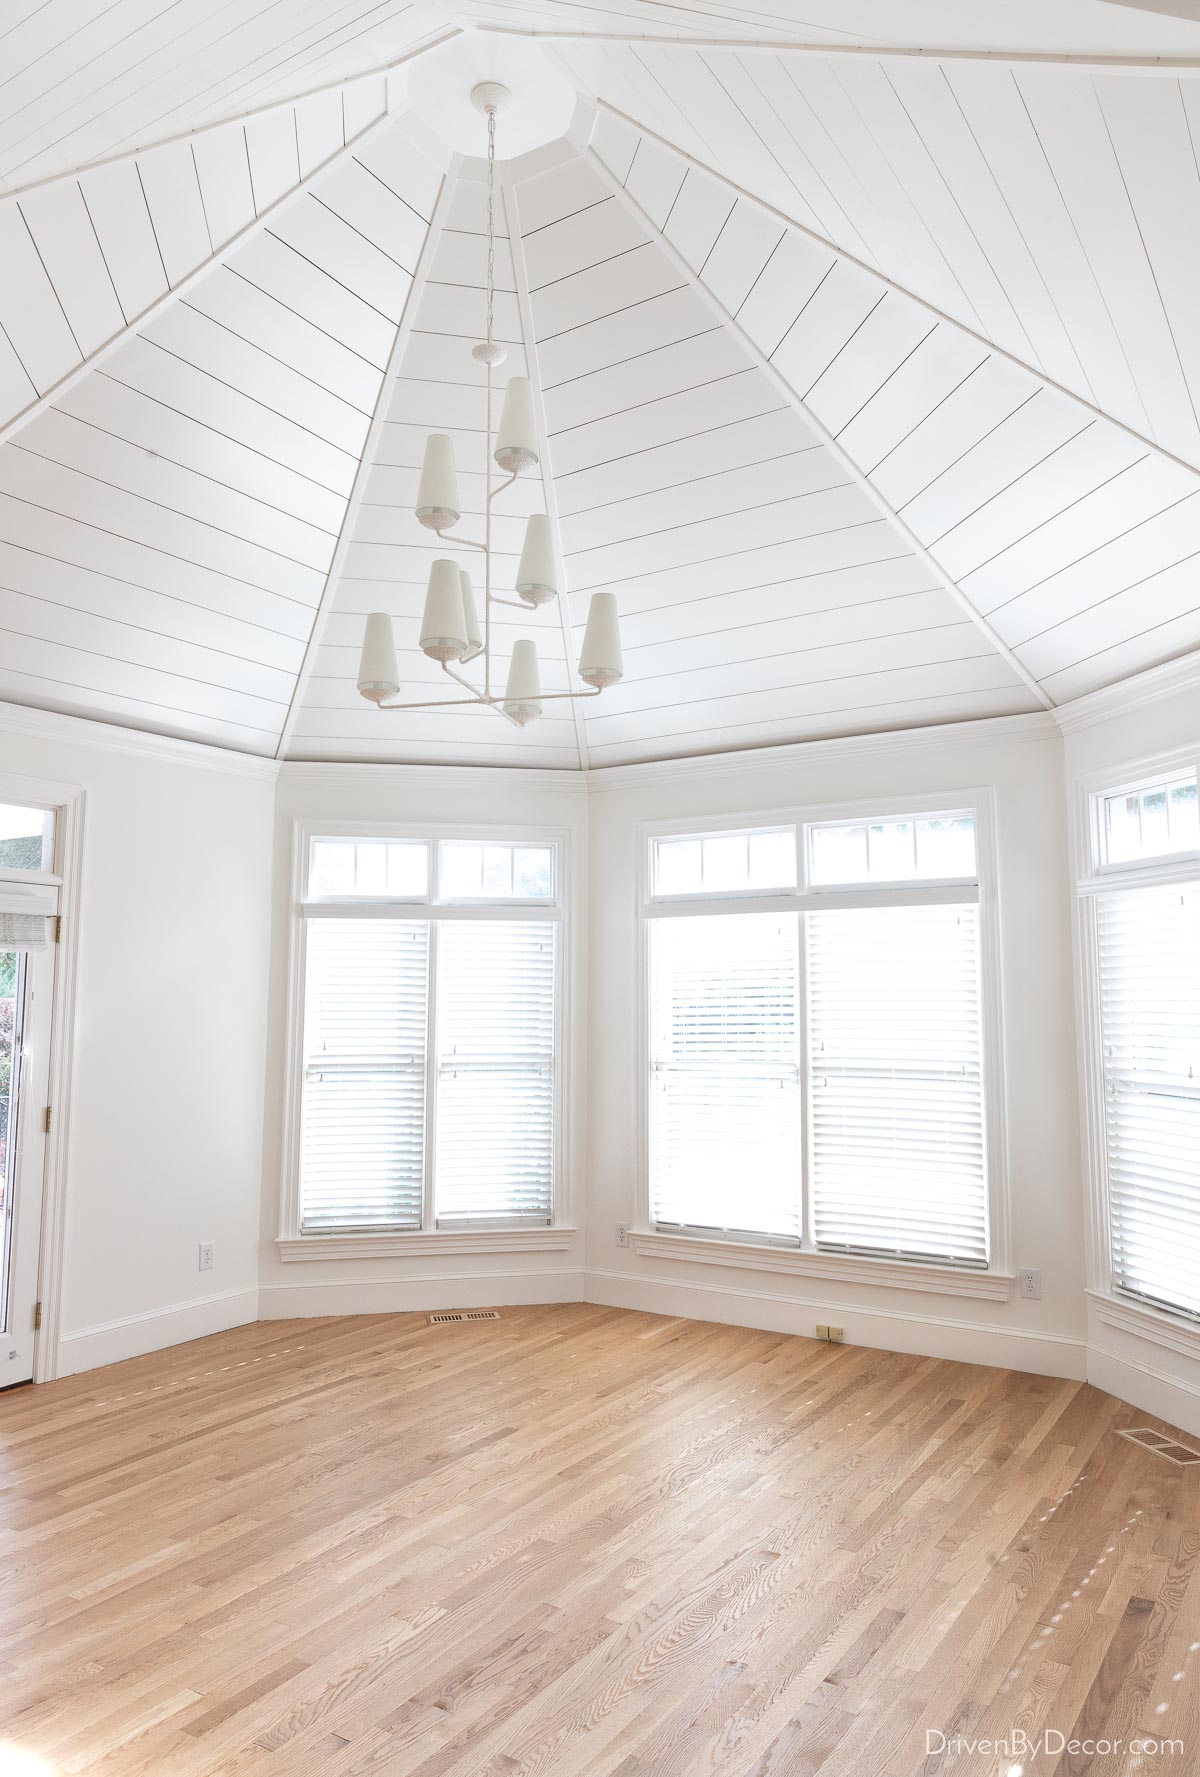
pixel 26 838
pixel 1145 923
pixel 817 1071
pixel 429 1034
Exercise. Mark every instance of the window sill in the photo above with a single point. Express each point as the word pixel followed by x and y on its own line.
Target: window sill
pixel 1173 1332
pixel 943 1280
pixel 434 1243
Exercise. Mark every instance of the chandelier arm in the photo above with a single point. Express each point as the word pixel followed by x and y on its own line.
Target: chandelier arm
pixel 460 542
pixel 436 703
pixel 504 486
pixel 457 677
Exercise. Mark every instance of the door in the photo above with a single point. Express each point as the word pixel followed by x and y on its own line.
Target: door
pixel 26 983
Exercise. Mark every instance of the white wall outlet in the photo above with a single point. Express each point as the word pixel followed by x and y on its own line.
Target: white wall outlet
pixel 1030 1285
pixel 622 1233
pixel 207 1254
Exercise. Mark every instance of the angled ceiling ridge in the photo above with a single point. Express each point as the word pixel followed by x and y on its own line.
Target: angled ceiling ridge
pixel 601 109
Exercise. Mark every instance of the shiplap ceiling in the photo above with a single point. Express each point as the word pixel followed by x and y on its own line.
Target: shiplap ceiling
pixel 868 381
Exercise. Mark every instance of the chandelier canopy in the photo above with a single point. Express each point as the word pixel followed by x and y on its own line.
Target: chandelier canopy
pixel 450 627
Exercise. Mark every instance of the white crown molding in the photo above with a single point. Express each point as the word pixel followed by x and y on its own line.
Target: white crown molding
pixel 340 774
pixel 1168 680
pixel 987 731
pixel 110 737
pixel 897 1274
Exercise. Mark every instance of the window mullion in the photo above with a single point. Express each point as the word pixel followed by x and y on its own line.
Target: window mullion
pixel 807 1240
pixel 429 1201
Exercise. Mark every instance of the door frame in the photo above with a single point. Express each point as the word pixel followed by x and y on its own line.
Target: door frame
pixel 68 802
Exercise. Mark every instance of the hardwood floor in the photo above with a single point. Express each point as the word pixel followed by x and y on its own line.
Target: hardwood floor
pixel 581 1541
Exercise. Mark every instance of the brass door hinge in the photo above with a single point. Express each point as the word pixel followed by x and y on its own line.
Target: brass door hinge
pixel 47 1119
pixel 58 928
pixel 37 1317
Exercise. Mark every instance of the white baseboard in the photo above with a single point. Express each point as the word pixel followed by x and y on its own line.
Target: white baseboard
pixel 1167 1397
pixel 925 1335
pixel 154 1330
pixel 408 1295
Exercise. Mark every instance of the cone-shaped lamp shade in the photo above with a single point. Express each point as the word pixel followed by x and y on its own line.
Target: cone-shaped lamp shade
pixel 537 576
pixel 444 627
pixel 600 662
pixel 438 502
pixel 516 439
pixel 522 694
pixel 470 615
pixel 377 677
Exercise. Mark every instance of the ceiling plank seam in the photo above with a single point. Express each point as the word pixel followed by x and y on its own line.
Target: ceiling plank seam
pixel 404 327
pixel 529 334
pixel 821 431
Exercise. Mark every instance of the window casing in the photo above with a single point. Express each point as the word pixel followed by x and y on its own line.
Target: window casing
pixel 1140 960
pixel 878 1104
pixel 427 1034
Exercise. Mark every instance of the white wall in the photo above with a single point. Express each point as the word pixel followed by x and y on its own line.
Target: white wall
pixel 1156 1365
pixel 425 795
pixel 1021 760
pixel 165 1135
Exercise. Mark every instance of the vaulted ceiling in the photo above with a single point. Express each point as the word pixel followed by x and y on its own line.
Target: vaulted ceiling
pixel 866 371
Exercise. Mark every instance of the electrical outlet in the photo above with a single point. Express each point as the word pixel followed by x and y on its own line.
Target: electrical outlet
pixel 835 1335
pixel 822 1332
pixel 1030 1285
pixel 207 1254
pixel 622 1233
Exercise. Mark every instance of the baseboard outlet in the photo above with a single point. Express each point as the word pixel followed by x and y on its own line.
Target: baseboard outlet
pixel 1042 1354
pixel 417 1295
pixel 1150 1390
pixel 153 1330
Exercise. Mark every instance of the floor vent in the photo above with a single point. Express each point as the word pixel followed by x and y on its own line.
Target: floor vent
pixel 1161 1445
pixel 435 1320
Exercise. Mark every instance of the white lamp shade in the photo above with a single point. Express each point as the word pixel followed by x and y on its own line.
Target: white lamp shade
pixel 470 615
pixel 516 438
pixel 377 676
pixel 600 661
pixel 444 625
pixel 522 694
pixel 537 576
pixel 438 502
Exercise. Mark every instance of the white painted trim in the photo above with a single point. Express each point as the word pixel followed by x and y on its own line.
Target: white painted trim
pixel 1034 725
pixel 111 1341
pixel 317 774
pixel 1172 1332
pixel 896 1274
pixel 419 1294
pixel 111 737
pixel 1150 1390
pixel 782 218
pixel 961 1341
pixel 792 396
pixel 366 461
pixel 425 1244
pixel 1171 678
pixel 783 46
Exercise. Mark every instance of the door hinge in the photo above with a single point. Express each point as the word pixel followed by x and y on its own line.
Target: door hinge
pixel 37 1317
pixel 58 928
pixel 47 1119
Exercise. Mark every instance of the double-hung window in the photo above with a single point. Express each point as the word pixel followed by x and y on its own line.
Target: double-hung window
pixel 817 1072
pixel 1142 915
pixel 428 1033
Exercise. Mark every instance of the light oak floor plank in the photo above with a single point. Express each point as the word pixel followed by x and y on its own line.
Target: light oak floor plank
pixel 580 1542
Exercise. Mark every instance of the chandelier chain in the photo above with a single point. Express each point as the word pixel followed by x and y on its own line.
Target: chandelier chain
pixel 491 223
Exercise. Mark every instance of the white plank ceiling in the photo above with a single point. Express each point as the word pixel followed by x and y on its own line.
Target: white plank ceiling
pixel 868 384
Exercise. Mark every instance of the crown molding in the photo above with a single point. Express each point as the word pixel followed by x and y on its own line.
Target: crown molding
pixel 987 731
pixel 1170 679
pixel 111 737
pixel 341 774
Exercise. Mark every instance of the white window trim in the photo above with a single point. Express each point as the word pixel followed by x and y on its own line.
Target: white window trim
pixel 1093 877
pixel 428 1240
pixel 997 1282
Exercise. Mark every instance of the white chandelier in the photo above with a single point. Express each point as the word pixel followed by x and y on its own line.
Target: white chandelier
pixel 450 631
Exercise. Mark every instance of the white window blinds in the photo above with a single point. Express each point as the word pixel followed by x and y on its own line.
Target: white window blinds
pixel 1149 956
pixel 495 1071
pixel 725 1074
pixel 896 1092
pixel 362 1145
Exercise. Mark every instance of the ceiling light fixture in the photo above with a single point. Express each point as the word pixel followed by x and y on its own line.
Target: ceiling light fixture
pixel 450 632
